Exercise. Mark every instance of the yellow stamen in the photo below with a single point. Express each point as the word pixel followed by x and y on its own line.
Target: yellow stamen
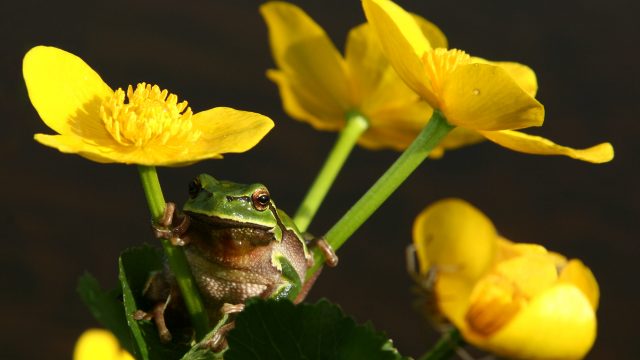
pixel 494 302
pixel 440 62
pixel 151 115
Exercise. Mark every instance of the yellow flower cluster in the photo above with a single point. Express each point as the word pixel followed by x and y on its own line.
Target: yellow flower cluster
pixel 517 300
pixel 514 299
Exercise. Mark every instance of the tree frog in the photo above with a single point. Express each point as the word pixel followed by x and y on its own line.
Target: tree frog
pixel 238 245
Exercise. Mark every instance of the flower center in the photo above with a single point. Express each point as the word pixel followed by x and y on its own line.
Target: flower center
pixel 440 63
pixel 508 289
pixel 149 115
pixel 493 303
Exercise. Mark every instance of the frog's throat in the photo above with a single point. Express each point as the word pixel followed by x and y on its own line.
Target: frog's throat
pixel 216 282
pixel 224 223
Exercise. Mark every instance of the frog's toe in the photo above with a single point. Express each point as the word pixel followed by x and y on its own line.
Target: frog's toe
pixel 157 315
pixel 231 308
pixel 218 341
pixel 167 216
pixel 165 228
pixel 330 257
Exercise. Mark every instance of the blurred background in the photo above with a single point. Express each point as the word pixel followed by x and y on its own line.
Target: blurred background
pixel 62 215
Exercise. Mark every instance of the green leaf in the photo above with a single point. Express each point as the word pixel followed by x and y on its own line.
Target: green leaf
pixel 107 308
pixel 270 329
pixel 200 352
pixel 136 265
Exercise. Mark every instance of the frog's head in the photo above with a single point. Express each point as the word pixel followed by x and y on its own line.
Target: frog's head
pixel 231 204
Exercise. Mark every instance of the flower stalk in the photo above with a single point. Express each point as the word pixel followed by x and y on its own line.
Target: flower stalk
pixel 175 255
pixel 430 136
pixel 356 124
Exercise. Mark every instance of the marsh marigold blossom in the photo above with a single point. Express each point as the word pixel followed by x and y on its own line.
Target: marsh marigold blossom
pixel 99 344
pixel 140 125
pixel 320 86
pixel 491 99
pixel 514 299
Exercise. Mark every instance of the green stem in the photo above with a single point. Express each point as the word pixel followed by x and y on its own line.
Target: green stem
pixel 356 124
pixel 175 256
pixel 414 155
pixel 445 347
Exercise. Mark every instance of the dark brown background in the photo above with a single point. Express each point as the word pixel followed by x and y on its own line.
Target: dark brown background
pixel 62 215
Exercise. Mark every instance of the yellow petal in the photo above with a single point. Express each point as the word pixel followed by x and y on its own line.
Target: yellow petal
pixel 452 294
pixel 434 35
pixel 395 127
pixel 508 250
pixel 532 144
pixel 506 290
pixel 557 324
pixel 531 273
pixel 454 237
pixel 523 75
pixel 227 130
pixel 577 274
pixel 224 130
pixel 302 50
pixel 301 103
pixel 71 144
pixel 167 155
pixel 485 97
pixel 97 344
pixel 368 66
pixel 396 113
pixel 403 43
pixel 65 91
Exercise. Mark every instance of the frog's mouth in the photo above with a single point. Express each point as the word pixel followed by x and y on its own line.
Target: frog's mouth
pixel 228 237
pixel 222 223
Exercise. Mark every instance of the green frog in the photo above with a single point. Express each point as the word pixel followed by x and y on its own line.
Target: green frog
pixel 238 245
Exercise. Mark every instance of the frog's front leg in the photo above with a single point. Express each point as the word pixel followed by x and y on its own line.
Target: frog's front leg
pixel 165 228
pixel 330 257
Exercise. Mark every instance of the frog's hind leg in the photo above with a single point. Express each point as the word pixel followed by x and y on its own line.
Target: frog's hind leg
pixel 157 315
pixel 219 340
pixel 330 258
pixel 306 287
pixel 158 290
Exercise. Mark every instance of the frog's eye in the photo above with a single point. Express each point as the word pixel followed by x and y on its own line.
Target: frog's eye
pixel 194 187
pixel 261 199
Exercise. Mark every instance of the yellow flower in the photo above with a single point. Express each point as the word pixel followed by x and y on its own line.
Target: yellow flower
pixel 516 300
pixel 489 98
pixel 320 86
pixel 143 125
pixel 98 344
